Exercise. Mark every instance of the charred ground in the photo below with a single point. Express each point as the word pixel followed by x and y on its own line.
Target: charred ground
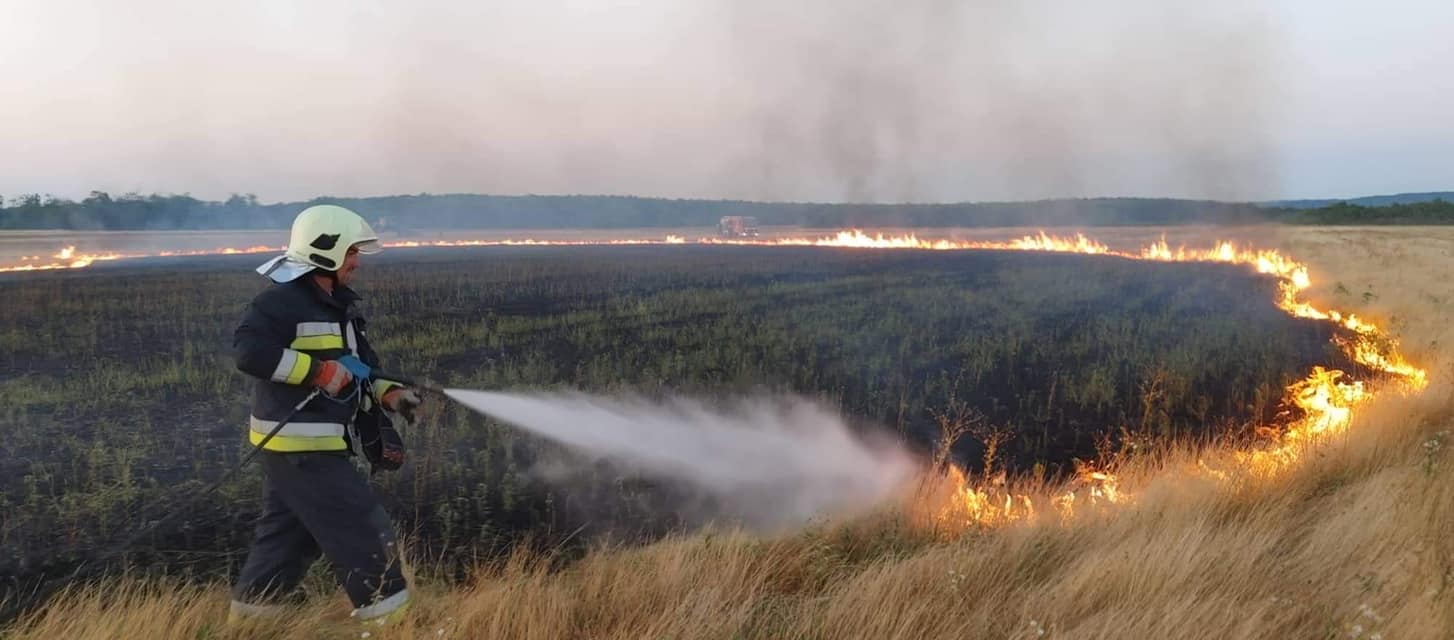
pixel 118 397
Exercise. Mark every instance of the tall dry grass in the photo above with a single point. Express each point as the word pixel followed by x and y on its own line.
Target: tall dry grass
pixel 1353 542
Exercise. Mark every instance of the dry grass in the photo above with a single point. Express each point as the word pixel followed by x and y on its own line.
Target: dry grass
pixel 1350 544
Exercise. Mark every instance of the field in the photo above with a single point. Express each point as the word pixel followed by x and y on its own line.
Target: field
pixel 118 393
pixel 40 246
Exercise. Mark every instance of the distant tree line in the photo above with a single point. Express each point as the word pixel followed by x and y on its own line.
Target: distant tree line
pixel 1437 211
pixel 101 211
pixel 1365 201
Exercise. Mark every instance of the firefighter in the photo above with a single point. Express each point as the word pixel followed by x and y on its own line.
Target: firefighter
pixel 299 334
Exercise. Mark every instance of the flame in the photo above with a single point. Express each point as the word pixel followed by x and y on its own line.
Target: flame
pixel 1326 399
pixel 66 258
pixel 988 505
pixel 854 238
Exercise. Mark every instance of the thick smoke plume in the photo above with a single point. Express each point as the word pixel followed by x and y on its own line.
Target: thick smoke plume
pixel 935 100
pixel 821 100
pixel 771 463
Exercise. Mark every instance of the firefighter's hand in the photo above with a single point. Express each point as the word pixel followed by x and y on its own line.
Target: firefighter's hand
pixel 332 377
pixel 402 401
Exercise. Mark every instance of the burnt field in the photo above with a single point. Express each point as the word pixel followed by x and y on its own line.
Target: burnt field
pixel 118 396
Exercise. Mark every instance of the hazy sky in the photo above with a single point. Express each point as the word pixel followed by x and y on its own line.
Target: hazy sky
pixel 829 100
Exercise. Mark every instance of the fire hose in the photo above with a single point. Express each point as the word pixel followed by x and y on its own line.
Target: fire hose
pixel 97 562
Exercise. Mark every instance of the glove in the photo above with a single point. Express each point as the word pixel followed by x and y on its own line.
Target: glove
pixel 332 377
pixel 402 401
pixel 356 367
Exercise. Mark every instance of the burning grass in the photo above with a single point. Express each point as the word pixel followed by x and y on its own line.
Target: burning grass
pixel 1347 546
pixel 1348 542
pixel 1042 350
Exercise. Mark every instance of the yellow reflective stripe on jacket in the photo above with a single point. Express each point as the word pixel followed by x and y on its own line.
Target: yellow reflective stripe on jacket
pixel 300 444
pixel 317 343
pixel 381 388
pixel 316 336
pixel 292 367
pixel 299 436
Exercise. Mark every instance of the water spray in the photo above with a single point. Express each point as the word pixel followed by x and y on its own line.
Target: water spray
pixel 769 462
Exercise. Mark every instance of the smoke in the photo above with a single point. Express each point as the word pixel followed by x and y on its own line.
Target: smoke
pixel 825 100
pixel 768 463
pixel 936 100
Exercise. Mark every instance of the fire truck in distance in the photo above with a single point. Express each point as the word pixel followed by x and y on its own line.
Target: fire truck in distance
pixel 737 227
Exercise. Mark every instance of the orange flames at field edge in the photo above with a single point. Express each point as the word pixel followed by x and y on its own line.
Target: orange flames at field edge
pixel 1326 399
pixel 68 258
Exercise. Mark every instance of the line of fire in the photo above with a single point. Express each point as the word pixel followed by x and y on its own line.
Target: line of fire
pixel 1325 400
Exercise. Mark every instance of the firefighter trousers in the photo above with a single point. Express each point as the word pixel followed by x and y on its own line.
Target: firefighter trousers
pixel 320 504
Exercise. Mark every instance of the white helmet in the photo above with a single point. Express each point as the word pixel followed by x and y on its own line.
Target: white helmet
pixel 322 235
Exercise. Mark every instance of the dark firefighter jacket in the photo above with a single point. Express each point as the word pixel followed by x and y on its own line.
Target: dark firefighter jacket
pixel 288 331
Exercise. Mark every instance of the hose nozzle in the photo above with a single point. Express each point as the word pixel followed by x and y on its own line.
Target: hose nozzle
pixel 422 385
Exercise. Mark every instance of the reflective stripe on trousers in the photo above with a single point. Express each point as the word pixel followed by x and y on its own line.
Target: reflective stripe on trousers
pixel 380 612
pixel 320 504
